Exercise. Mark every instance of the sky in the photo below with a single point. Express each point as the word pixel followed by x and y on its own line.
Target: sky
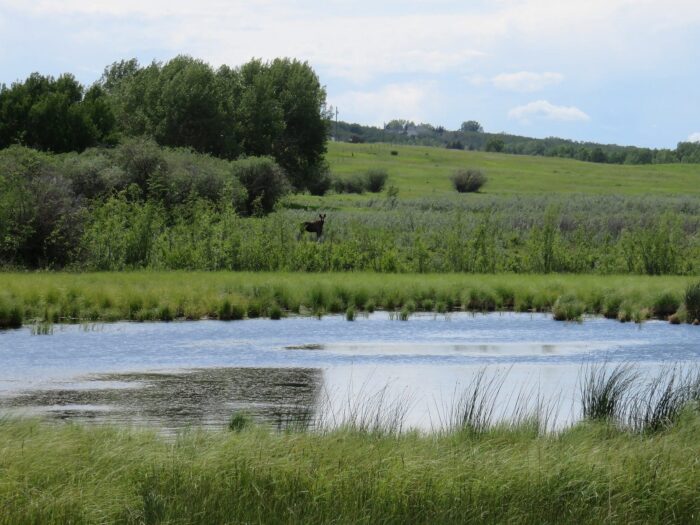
pixel 609 71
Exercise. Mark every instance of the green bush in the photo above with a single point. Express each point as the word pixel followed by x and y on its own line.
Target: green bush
pixel 468 181
pixel 322 180
pixel 264 181
pixel 376 179
pixel 349 184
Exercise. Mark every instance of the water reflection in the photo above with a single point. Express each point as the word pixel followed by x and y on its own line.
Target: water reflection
pixel 199 373
pixel 203 397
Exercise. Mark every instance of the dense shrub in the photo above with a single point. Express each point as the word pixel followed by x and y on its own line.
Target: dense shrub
pixel 372 180
pixel 321 182
pixel 376 179
pixel 264 181
pixel 349 184
pixel 468 181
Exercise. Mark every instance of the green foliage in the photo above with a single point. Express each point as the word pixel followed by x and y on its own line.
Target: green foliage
pixel 350 313
pixel 692 302
pixel 666 305
pixel 654 249
pixel 568 308
pixel 468 181
pixel 471 126
pixel 590 473
pixel 10 315
pixel 264 181
pixel 376 179
pixel 495 144
pixel 260 109
pixel 82 297
pixel 603 391
pixel 350 184
pixel 544 244
pixel 322 181
pixel 239 421
pixel 54 114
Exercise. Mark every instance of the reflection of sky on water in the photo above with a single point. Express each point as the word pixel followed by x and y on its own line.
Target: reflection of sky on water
pixel 198 373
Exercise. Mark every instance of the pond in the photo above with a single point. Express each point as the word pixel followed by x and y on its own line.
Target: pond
pixel 299 369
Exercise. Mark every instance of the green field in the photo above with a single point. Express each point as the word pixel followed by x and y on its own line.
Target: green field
pixel 424 172
pixel 591 473
pixel 142 296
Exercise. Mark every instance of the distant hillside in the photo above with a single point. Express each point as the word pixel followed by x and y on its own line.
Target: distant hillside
pixel 472 137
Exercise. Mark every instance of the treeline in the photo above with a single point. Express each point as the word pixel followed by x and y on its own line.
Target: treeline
pixel 274 109
pixel 471 136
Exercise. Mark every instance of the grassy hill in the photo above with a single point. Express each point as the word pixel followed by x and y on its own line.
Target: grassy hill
pixel 421 171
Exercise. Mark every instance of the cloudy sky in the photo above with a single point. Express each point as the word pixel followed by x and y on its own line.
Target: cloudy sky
pixel 612 71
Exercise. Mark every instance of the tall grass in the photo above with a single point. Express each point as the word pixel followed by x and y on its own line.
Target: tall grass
pixel 621 396
pixel 692 302
pixel 604 235
pixel 361 465
pixel 603 390
pixel 590 473
pixel 145 296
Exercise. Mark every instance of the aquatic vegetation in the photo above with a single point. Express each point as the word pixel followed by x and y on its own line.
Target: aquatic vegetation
pixel 152 296
pixel 603 390
pixel 568 308
pixel 692 302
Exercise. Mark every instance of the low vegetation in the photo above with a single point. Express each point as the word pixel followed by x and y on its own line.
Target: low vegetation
pixel 373 181
pixel 143 296
pixel 631 459
pixel 468 180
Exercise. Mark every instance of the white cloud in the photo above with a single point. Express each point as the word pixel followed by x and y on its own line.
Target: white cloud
pixel 694 137
pixel 412 101
pixel 526 81
pixel 542 109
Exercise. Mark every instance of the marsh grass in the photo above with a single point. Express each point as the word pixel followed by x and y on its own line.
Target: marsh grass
pixel 603 390
pixel 163 296
pixel 692 302
pixel 589 473
pixel 473 408
pixel 568 308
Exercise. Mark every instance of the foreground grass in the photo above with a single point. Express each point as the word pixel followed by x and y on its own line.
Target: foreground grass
pixel 591 473
pixel 141 296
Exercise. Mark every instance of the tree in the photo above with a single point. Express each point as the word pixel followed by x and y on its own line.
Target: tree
pixel 51 114
pixel 598 155
pixel 189 106
pixel 471 126
pixel 302 99
pixel 495 145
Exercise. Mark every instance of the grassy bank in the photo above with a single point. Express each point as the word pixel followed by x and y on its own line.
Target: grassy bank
pixel 141 296
pixel 591 473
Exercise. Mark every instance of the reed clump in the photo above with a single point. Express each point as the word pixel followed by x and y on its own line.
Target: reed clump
pixel 692 302
pixel 568 308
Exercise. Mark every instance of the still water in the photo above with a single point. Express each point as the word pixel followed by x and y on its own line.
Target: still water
pixel 175 375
